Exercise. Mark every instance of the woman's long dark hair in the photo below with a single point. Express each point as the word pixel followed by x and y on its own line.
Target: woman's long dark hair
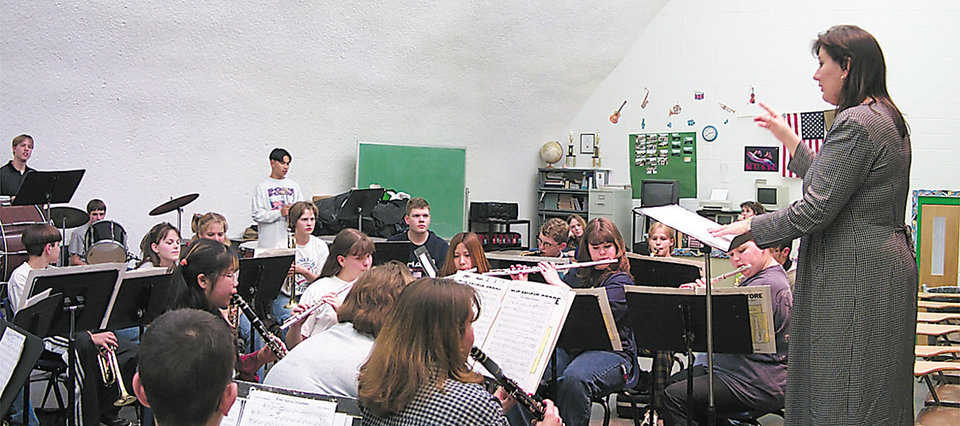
pixel 207 257
pixel 856 51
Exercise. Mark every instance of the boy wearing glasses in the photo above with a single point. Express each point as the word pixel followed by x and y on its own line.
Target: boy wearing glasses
pixel 553 237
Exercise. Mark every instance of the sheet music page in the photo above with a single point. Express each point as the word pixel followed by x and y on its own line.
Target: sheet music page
pixel 761 315
pixel 524 333
pixel 690 223
pixel 11 346
pixel 490 291
pixel 264 408
pixel 233 416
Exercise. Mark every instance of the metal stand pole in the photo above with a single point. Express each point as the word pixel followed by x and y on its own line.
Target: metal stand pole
pixel 711 408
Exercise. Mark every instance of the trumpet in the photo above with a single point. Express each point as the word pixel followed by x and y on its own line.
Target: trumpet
pixel 110 374
pixel 533 269
pixel 291 283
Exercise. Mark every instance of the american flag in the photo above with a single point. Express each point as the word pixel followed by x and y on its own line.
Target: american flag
pixel 810 126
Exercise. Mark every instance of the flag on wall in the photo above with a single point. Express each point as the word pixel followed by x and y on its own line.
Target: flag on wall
pixel 811 127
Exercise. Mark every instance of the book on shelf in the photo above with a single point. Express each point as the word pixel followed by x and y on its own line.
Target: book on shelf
pixel 550 201
pixel 519 324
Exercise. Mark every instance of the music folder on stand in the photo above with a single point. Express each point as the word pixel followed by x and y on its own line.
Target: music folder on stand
pixel 88 293
pixel 29 354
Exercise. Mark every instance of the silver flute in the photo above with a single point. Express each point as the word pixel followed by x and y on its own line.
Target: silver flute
pixel 533 269
pixel 306 313
pixel 726 275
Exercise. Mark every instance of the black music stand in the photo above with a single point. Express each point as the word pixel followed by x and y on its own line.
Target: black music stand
pixel 662 272
pixel 677 322
pixel 260 282
pixel 36 319
pixel 89 289
pixel 385 251
pixel 32 348
pixel 360 202
pixel 588 331
pixel 143 295
pixel 48 188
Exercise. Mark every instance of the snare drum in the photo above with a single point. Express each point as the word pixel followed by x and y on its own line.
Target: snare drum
pixel 105 242
pixel 13 220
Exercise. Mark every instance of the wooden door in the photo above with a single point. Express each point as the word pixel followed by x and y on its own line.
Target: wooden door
pixel 939 235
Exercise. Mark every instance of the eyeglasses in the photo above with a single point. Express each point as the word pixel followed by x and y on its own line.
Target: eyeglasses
pixel 546 243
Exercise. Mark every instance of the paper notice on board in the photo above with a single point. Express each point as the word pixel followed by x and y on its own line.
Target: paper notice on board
pixel 11 347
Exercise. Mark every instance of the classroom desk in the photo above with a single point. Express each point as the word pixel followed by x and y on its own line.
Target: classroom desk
pixel 929 295
pixel 926 304
pixel 935 317
pixel 927 351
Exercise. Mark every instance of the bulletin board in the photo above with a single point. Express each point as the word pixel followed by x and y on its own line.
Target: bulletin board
pixel 437 174
pixel 671 155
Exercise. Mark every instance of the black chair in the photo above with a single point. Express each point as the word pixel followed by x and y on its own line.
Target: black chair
pixel 54 371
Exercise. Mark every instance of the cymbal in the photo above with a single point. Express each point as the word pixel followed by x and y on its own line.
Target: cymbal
pixel 68 217
pixel 173 204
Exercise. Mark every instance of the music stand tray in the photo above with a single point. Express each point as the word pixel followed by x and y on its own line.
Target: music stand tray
pixel 52 187
pixel 360 203
pixel 386 251
pixel 137 302
pixel 94 287
pixel 260 280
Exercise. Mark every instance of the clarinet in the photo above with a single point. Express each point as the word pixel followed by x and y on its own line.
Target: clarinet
pixel 531 403
pixel 269 338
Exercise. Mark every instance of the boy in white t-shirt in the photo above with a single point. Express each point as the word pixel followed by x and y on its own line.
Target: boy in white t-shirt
pixel 272 200
pixel 43 248
pixel 311 254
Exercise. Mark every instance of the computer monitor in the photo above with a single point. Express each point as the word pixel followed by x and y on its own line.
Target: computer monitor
pixel 772 197
pixel 656 192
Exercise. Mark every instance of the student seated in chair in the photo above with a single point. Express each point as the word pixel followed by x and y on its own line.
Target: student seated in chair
pixel 417 217
pixel 754 382
pixel 185 373
pixel 553 236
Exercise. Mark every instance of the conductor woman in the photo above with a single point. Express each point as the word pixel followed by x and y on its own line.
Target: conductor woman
pixel 854 313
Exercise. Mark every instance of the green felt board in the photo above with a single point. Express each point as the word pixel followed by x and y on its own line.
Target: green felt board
pixel 684 173
pixel 436 174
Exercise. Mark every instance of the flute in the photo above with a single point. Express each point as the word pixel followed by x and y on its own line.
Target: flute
pixel 533 269
pixel 725 275
pixel 531 403
pixel 306 313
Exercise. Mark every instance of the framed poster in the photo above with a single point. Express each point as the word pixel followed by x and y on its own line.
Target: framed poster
pixel 587 140
pixel 761 159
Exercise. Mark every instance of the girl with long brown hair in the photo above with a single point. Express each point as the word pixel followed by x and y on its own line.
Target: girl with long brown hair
pixel 466 252
pixel 417 372
pixel 351 254
pixel 584 374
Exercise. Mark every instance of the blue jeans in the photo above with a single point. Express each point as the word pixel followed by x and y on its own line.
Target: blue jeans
pixel 588 374
pixel 16 412
pixel 280 313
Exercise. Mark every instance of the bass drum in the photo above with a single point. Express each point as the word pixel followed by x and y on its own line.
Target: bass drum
pixel 13 220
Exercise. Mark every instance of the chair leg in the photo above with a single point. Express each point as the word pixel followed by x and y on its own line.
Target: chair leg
pixel 606 410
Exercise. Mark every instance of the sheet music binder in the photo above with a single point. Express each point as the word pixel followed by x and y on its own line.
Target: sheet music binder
pixel 347 408
pixel 32 348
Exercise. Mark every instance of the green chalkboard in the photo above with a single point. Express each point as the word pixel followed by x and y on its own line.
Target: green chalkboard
pixel 664 156
pixel 436 174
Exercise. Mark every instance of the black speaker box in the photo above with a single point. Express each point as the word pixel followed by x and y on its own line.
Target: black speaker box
pixel 484 211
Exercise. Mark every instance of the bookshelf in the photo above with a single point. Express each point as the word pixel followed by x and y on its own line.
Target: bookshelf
pixel 565 191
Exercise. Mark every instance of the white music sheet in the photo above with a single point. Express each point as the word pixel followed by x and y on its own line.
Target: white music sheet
pixel 265 408
pixel 11 346
pixel 490 291
pixel 525 331
pixel 689 223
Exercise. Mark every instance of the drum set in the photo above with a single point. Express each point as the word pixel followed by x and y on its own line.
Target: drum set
pixel 104 241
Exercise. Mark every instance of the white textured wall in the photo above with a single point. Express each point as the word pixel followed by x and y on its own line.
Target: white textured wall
pixel 725 47
pixel 159 99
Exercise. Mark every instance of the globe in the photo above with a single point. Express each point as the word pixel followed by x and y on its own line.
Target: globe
pixel 551 152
